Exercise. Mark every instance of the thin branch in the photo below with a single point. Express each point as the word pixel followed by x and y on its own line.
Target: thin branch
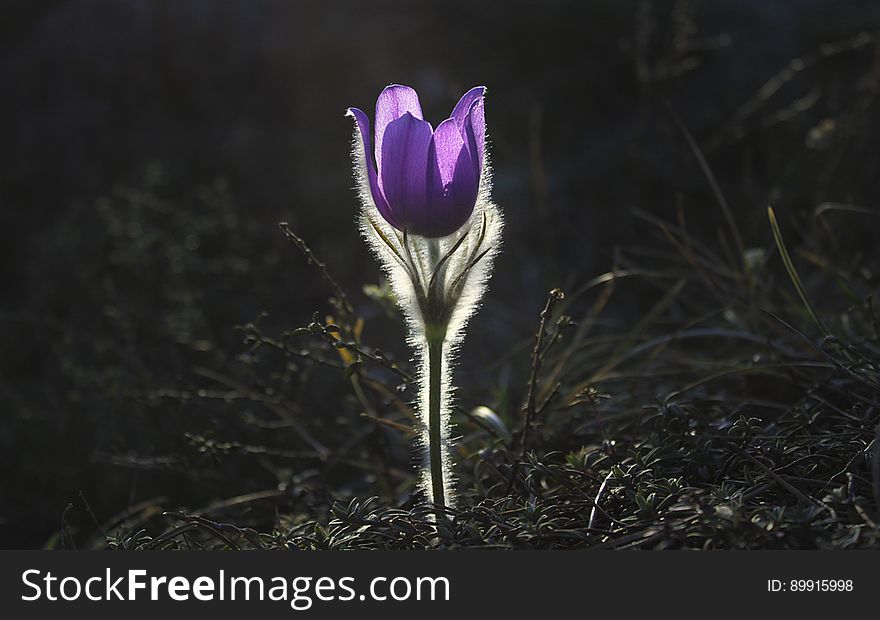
pixel 555 297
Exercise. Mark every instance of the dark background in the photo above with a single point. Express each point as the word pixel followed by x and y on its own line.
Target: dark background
pixel 149 150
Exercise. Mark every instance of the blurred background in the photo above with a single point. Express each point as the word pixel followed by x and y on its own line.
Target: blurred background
pixel 150 148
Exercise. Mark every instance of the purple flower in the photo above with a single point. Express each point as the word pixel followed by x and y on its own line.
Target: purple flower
pixel 424 180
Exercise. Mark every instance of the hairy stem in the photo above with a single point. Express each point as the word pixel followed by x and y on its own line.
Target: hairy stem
pixel 435 340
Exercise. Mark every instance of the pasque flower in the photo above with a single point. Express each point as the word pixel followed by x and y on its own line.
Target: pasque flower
pixel 424 180
pixel 428 217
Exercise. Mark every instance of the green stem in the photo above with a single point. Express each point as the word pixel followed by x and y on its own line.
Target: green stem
pixel 435 439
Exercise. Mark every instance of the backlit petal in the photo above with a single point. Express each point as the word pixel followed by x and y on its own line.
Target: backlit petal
pixel 447 145
pixel 393 102
pixel 463 107
pixel 363 126
pixel 475 132
pixel 453 181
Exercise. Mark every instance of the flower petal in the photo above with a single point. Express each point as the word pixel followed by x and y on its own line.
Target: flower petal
pixel 475 130
pixel 393 102
pixel 446 147
pixel 463 107
pixel 453 181
pixel 403 174
pixel 363 125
